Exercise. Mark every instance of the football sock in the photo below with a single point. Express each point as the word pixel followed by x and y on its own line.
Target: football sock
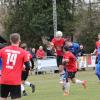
pixel 79 81
pixel 27 83
pixel 22 88
pixel 66 87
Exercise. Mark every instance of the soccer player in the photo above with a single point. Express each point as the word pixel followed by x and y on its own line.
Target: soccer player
pixel 58 42
pixel 1 46
pixel 69 60
pixel 73 47
pixel 98 65
pixel 13 58
pixel 25 73
pixel 97 45
pixel 0 66
pixel 0 69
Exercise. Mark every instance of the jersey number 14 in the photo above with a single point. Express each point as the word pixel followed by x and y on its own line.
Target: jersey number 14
pixel 11 58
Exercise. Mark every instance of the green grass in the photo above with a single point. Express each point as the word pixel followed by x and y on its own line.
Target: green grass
pixel 48 88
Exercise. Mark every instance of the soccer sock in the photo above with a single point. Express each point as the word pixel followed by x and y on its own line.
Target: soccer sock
pixel 66 87
pixel 27 83
pixel 22 88
pixel 78 81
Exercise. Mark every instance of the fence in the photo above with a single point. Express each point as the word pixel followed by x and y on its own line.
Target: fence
pixel 86 61
pixel 50 63
pixel 47 64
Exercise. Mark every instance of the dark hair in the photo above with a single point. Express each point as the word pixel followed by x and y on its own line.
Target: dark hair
pixel 68 39
pixel 14 38
pixel 65 48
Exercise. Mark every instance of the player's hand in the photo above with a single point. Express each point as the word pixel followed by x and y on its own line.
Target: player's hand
pixel 64 63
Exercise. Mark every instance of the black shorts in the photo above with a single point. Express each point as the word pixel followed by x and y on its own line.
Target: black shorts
pixel 59 60
pixel 71 75
pixel 14 90
pixel 25 75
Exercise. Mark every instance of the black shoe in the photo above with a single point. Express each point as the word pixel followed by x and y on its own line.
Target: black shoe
pixel 25 94
pixel 33 88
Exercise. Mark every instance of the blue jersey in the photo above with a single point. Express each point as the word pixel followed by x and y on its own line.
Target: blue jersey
pixel 99 55
pixel 0 64
pixel 97 69
pixel 74 49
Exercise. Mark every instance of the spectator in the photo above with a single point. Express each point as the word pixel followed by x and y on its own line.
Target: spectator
pixel 40 54
pixel 81 53
pixel 33 52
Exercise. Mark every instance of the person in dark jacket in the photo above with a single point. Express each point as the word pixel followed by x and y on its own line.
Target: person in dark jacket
pixel 81 53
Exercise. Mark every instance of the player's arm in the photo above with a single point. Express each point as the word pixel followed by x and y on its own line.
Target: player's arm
pixel 26 61
pixel 32 62
pixel 65 61
pixel 94 52
pixel 27 65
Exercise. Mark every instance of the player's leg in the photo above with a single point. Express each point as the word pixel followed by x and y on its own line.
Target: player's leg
pixel 5 89
pixel 97 69
pixel 24 77
pixel 27 83
pixel 77 81
pixel 66 87
pixel 59 61
pixel 23 90
pixel 64 80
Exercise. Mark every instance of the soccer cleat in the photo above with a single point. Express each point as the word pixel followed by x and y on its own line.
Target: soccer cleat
pixel 33 88
pixel 25 94
pixel 84 84
pixel 66 93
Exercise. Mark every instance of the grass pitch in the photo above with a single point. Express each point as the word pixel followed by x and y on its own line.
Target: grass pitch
pixel 48 88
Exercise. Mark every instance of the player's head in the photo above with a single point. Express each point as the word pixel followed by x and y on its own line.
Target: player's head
pixel 24 46
pixel 59 35
pixel 68 41
pixel 15 38
pixel 65 49
pixel 99 36
pixel 41 48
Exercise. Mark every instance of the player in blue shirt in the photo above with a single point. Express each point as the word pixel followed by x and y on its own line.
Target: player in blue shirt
pixel 1 46
pixel 73 47
pixel 98 65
